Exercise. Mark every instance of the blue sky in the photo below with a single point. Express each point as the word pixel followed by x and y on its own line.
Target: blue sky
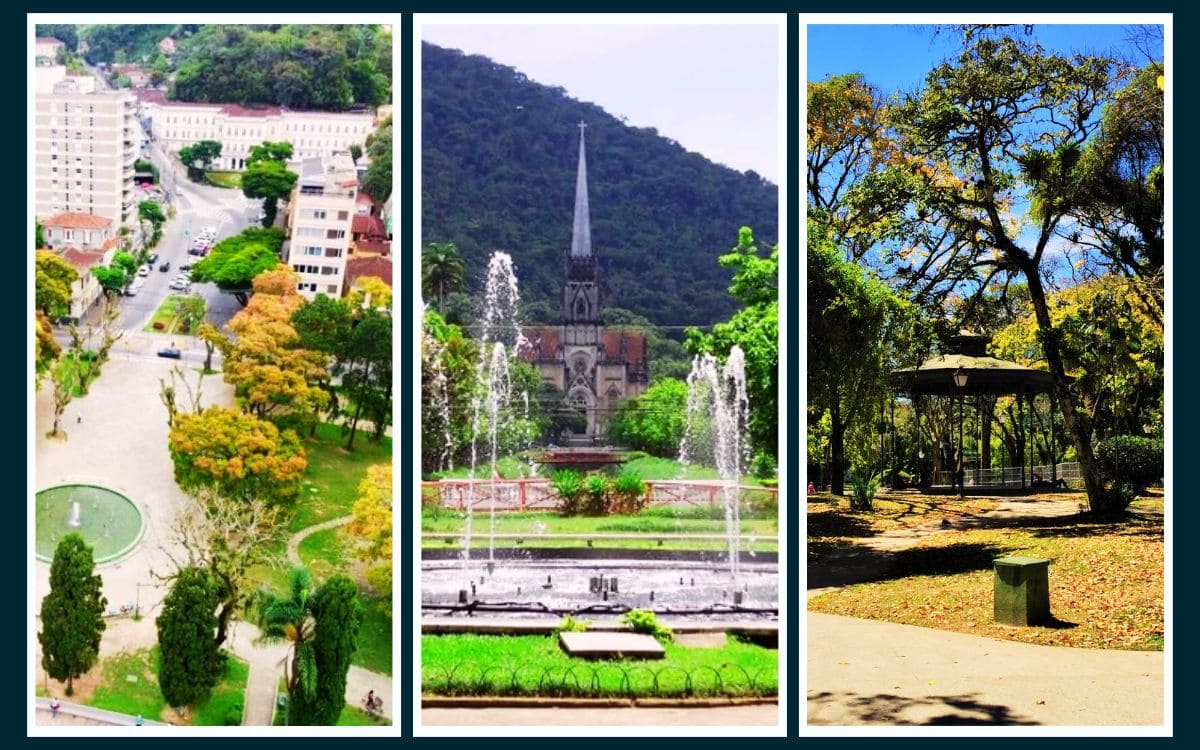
pixel 895 57
pixel 714 88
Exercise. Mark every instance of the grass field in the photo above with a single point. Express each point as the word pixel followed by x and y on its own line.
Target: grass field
pixel 231 180
pixel 333 475
pixel 142 696
pixel 535 665
pixel 168 316
pixel 1106 578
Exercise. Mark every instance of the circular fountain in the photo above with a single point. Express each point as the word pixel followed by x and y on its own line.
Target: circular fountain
pixel 108 521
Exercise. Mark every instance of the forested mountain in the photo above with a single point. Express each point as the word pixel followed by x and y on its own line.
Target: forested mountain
pixel 499 154
pixel 302 66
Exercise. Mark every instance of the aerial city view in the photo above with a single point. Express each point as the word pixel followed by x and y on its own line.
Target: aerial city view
pixel 599 520
pixel 213 408
pixel 989 463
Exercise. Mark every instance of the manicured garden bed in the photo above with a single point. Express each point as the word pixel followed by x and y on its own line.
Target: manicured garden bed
pixel 231 180
pixel 167 318
pixel 468 664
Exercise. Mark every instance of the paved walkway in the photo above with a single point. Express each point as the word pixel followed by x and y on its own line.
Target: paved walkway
pixel 871 672
pixel 766 714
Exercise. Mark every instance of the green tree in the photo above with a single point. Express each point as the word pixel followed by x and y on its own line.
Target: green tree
pixel 112 278
pixel 189 661
pixel 652 422
pixel 53 277
pixel 39 237
pixel 852 318
pixel 279 151
pixel 1002 123
pixel 755 329
pixel 377 182
pixel 151 213
pixel 72 613
pixel 338 614
pixel 367 371
pixel 200 155
pixel 235 261
pixel 269 180
pixel 290 619
pixel 442 271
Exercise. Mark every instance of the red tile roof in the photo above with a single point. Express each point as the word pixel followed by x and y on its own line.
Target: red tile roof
pixel 83 260
pixel 48 40
pixel 368 226
pixel 374 265
pixel 374 247
pixel 365 199
pixel 77 221
pixel 627 346
pixel 541 343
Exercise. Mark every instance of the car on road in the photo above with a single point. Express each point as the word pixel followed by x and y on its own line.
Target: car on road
pixel 185 267
pixel 144 271
pixel 152 258
pixel 178 285
pixel 166 266
pixel 170 352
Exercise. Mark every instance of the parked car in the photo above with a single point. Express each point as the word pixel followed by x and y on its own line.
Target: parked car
pixel 170 352
pixel 166 266
pixel 144 271
pixel 152 258
pixel 185 266
pixel 179 286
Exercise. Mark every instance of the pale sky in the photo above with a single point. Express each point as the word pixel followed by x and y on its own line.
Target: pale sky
pixel 712 88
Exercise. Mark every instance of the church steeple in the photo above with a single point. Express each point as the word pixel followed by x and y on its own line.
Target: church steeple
pixel 581 234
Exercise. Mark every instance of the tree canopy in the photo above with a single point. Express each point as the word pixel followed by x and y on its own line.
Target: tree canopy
pixel 235 261
pixel 72 612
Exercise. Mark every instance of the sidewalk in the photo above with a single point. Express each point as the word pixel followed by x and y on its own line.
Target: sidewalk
pixel 869 672
pixel 755 715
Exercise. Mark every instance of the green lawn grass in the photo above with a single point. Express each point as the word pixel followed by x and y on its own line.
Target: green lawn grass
pixel 333 475
pixel 356 717
pixel 231 180
pixel 116 693
pixel 641 465
pixel 325 552
pixel 650 522
pixel 469 664
pixel 374 651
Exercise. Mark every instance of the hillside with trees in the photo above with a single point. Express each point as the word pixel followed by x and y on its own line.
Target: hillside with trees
pixel 499 156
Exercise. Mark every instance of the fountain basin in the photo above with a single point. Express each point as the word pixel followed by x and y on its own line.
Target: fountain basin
pixel 108 521
pixel 701 588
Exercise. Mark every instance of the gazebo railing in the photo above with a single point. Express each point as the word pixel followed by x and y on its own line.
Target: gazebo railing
pixel 1011 476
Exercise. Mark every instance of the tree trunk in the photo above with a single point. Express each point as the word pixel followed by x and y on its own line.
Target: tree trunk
pixel 837 436
pixel 224 615
pixel 1099 501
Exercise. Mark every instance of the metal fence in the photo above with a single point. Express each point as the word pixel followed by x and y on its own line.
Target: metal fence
pixel 539 494
pixel 600 680
pixel 1012 476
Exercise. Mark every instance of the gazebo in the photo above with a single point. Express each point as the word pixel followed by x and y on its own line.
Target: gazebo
pixel 967 370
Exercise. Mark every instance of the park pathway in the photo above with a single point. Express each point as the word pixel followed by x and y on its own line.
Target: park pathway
pixel 293 545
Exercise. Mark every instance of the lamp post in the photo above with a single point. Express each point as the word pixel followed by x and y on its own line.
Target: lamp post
pixel 960 382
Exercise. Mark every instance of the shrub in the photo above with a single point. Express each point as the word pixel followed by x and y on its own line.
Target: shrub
pixel 159 325
pixel 628 494
pixel 864 483
pixel 759 504
pixel 233 716
pixel 644 621
pixel 1129 459
pixel 596 488
pixel 570 625
pixel 763 466
pixel 569 486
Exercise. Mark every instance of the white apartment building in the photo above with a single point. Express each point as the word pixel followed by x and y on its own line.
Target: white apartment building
pixel 320 213
pixel 85 149
pixel 238 128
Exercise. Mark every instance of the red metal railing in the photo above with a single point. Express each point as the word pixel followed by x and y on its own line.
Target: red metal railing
pixel 538 493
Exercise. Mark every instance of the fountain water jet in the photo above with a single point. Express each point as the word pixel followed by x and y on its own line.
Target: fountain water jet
pixel 74 520
pixel 718 416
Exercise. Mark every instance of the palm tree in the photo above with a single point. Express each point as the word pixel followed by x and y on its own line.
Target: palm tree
pixel 291 619
pixel 442 271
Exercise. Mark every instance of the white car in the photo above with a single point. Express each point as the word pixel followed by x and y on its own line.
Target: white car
pixel 144 271
pixel 178 285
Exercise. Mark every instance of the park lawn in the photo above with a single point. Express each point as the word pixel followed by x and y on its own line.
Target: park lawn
pixel 1106 583
pixel 167 315
pixel 643 466
pixel 469 664
pixel 650 522
pixel 116 693
pixel 508 467
pixel 231 180
pixel 356 717
pixel 331 481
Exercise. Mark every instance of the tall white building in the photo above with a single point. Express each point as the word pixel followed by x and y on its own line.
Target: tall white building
pixel 85 148
pixel 238 128
pixel 320 213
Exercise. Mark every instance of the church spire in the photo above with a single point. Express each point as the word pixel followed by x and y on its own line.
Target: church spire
pixel 581 234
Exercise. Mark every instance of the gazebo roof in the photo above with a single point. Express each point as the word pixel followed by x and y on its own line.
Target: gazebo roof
pixel 986 375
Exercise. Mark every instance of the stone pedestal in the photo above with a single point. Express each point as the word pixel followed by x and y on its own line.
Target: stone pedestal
pixel 1022 590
